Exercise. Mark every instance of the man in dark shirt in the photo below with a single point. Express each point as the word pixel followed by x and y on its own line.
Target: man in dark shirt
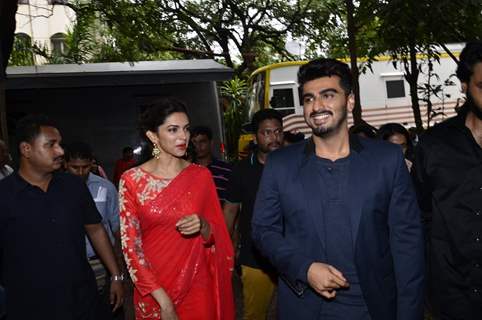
pixel 44 218
pixel 448 178
pixel 257 274
pixel 202 139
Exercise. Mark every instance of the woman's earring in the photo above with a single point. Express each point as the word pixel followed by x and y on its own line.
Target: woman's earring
pixel 156 152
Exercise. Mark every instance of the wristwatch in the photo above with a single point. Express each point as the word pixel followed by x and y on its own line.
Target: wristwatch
pixel 117 277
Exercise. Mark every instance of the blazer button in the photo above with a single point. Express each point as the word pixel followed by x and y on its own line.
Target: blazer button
pixel 477 213
pixel 476 291
pixel 477 265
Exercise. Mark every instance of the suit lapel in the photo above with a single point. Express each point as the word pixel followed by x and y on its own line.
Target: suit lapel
pixel 310 180
pixel 355 191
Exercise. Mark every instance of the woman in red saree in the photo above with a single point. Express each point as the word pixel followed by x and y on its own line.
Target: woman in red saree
pixel 174 239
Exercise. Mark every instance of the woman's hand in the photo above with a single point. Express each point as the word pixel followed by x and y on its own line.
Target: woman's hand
pixel 168 312
pixel 192 224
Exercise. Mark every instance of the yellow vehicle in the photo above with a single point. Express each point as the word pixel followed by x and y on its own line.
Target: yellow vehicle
pixel 385 94
pixel 272 86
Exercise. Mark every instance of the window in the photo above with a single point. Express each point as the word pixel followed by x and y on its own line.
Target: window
pixel 23 1
pixel 395 89
pixel 57 1
pixel 21 51
pixel 58 44
pixel 256 94
pixel 283 101
pixel 24 39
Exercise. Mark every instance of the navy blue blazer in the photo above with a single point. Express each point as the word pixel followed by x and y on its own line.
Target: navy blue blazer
pixel 386 228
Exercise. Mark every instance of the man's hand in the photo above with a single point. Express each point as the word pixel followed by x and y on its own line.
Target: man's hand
pixel 116 294
pixel 230 212
pixel 325 279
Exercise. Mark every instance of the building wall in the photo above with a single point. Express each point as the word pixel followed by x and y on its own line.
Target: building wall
pixel 373 89
pixel 41 20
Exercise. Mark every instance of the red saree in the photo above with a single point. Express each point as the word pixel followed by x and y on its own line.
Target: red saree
pixel 196 274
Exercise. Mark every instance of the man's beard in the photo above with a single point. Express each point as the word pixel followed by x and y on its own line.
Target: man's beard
pixel 326 131
pixel 473 107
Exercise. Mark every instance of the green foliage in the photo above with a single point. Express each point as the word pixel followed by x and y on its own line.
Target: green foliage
pixel 22 54
pixel 410 27
pixel 434 88
pixel 333 27
pixel 241 34
pixel 234 93
pixel 92 39
pixel 248 34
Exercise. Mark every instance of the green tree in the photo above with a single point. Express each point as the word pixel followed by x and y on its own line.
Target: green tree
pixel 350 30
pixel 360 19
pixel 411 27
pixel 22 52
pixel 236 33
pixel 234 92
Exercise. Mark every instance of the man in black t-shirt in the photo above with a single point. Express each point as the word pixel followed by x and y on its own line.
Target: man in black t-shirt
pixel 257 273
pixel 44 218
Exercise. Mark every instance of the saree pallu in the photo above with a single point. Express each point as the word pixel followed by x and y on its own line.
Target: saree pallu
pixel 195 273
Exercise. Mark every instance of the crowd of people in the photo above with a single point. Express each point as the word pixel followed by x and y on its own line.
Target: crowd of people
pixel 351 223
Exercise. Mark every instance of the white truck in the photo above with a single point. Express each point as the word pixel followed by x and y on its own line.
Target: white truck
pixel 384 92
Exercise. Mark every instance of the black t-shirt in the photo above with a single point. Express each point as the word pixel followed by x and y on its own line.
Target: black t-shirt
pixel 242 189
pixel 42 239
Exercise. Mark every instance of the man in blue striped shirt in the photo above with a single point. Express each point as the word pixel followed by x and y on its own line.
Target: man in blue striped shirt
pixel 202 139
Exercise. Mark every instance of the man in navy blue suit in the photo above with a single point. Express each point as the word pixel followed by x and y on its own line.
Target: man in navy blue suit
pixel 337 215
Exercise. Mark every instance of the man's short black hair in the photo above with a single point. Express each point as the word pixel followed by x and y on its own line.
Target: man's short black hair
pixel 365 128
pixel 202 130
pixel 265 114
pixel 320 68
pixel 78 150
pixel 469 57
pixel 28 128
pixel 293 137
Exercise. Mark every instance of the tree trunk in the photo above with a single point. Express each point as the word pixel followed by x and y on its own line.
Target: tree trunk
pixel 8 8
pixel 413 82
pixel 351 29
pixel 447 50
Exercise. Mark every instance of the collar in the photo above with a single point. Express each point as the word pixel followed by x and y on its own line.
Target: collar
pixel 354 141
pixel 90 178
pixel 459 120
pixel 253 159
pixel 20 184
